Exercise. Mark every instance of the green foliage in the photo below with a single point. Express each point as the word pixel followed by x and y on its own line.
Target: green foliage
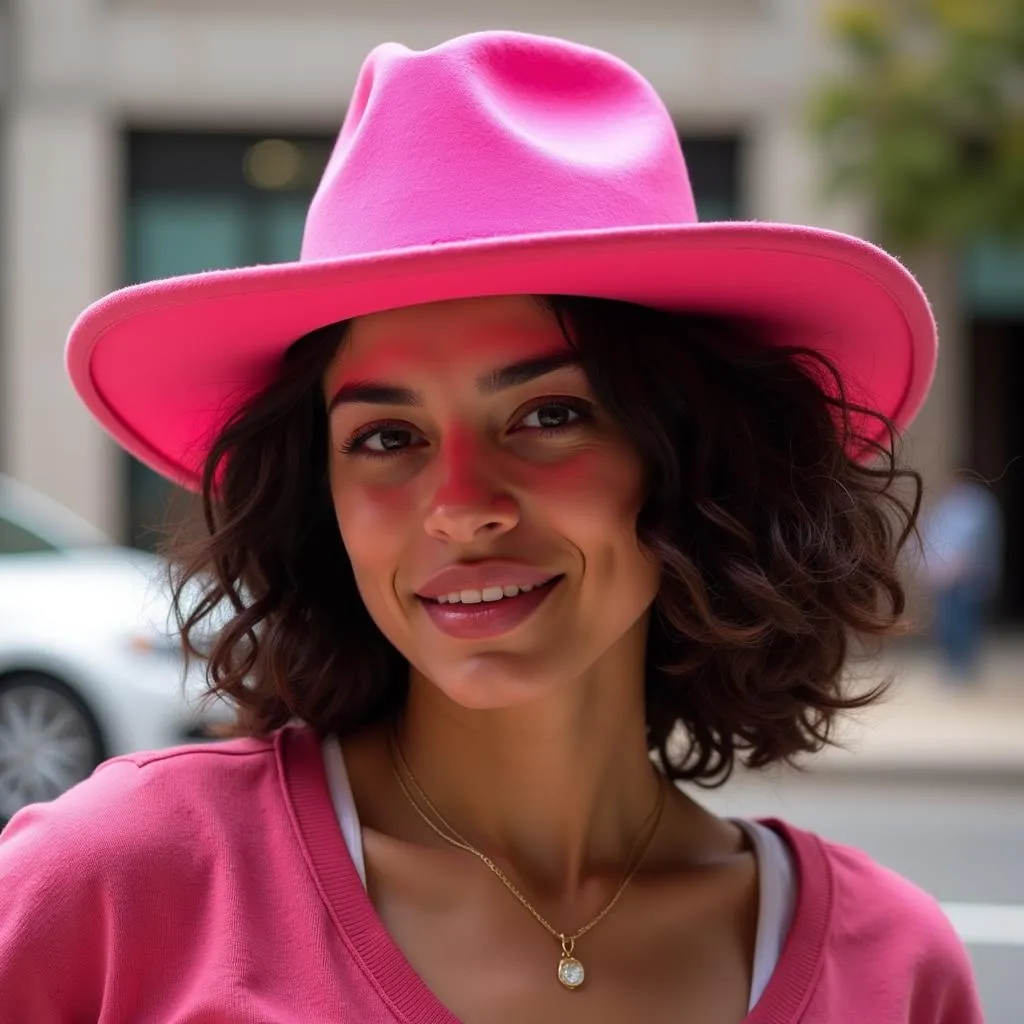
pixel 927 118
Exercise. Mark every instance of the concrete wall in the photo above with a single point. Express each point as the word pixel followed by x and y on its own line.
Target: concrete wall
pixel 82 70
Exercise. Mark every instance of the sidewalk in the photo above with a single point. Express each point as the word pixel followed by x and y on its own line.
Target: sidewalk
pixel 928 728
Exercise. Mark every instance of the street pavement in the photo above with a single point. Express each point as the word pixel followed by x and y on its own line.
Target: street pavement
pixel 930 726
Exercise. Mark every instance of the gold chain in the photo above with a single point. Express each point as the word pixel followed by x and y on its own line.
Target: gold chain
pixel 636 857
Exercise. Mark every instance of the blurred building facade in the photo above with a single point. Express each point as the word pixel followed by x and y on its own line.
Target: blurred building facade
pixel 143 138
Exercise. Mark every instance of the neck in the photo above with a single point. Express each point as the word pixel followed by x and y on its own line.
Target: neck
pixel 560 788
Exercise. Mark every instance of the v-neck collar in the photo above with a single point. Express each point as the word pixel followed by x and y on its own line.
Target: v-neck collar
pixel 306 791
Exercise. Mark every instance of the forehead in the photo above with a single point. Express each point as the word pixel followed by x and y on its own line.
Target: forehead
pixel 469 334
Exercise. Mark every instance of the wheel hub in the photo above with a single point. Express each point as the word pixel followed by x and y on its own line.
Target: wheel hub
pixel 47 744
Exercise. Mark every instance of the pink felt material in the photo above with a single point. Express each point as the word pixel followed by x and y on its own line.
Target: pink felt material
pixel 496 163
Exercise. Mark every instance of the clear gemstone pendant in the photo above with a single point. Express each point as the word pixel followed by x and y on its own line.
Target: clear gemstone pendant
pixel 570 970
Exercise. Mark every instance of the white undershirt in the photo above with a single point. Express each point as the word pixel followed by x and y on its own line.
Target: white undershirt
pixel 777 881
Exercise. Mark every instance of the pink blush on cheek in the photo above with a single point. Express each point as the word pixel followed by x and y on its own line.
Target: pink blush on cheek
pixel 602 478
pixel 374 522
pixel 372 512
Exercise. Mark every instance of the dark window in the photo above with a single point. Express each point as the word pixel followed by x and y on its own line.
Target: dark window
pixel 203 201
pixel 996 365
pixel 715 165
pixel 992 293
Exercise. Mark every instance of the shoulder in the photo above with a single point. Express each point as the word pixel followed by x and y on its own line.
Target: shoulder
pixel 869 897
pixel 141 825
pixel 865 897
pixel 882 930
pixel 140 805
pixel 121 868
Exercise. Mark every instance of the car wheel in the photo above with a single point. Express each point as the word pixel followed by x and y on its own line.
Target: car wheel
pixel 49 740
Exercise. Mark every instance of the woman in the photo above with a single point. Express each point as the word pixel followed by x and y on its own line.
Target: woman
pixel 553 479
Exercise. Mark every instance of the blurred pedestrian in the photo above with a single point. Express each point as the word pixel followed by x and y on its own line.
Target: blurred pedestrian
pixel 528 497
pixel 962 547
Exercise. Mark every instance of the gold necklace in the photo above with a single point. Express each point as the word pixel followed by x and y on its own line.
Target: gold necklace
pixel 570 971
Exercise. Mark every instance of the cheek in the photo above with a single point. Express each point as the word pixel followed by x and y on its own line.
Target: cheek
pixel 375 526
pixel 598 488
pixel 593 500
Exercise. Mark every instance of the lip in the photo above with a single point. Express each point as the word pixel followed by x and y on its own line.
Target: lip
pixel 488 620
pixel 478 575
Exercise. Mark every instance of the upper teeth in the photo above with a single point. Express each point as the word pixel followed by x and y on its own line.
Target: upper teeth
pixel 487 594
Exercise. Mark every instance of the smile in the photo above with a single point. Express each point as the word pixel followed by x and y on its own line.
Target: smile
pixel 488 612
pixel 488 594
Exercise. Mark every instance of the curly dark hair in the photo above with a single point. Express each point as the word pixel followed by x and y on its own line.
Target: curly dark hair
pixel 775 505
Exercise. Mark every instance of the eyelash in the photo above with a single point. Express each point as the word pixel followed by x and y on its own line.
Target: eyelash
pixel 354 445
pixel 583 409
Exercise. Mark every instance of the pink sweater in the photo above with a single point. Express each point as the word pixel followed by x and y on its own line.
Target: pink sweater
pixel 212 884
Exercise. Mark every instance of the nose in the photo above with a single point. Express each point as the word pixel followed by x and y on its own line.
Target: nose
pixel 468 502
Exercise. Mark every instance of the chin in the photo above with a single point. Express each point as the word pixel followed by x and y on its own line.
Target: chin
pixel 490 682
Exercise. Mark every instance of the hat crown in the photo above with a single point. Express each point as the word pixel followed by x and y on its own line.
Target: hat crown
pixel 496 134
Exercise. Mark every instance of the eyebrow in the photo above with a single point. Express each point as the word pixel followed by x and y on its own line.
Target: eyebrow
pixel 373 392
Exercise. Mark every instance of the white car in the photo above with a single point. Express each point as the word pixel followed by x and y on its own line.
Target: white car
pixel 89 665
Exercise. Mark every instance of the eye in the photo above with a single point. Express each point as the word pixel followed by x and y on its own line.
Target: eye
pixel 554 415
pixel 383 439
pixel 388 440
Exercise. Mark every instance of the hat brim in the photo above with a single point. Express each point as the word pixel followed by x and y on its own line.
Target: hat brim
pixel 162 365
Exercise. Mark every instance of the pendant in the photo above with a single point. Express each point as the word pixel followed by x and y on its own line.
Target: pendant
pixel 570 970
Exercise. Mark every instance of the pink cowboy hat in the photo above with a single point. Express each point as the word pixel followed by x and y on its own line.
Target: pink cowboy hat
pixel 496 163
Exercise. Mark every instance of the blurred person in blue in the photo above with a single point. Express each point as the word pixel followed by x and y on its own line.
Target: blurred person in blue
pixel 962 544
